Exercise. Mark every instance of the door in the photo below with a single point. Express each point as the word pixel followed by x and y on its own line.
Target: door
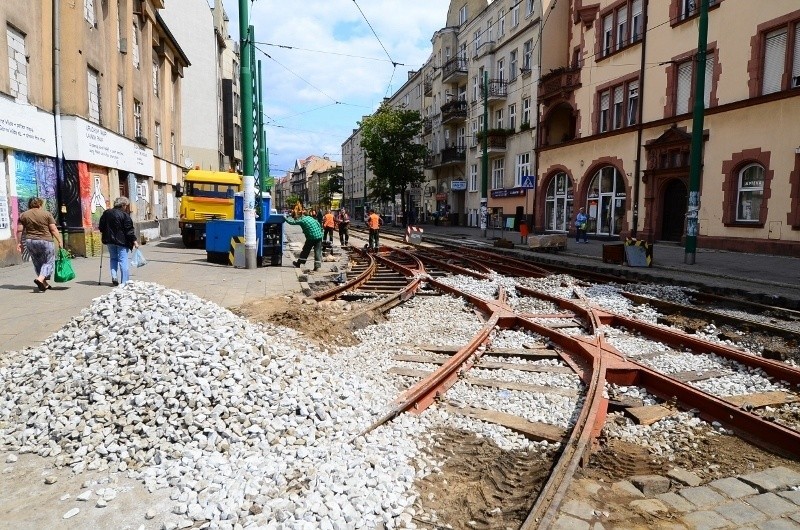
pixel 673 211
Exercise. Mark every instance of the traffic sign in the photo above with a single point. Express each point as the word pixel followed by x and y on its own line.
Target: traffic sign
pixel 528 181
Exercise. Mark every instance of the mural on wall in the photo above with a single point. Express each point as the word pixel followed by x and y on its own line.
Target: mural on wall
pixel 47 182
pixel 34 176
pixel 85 193
pixel 25 176
pixel 70 194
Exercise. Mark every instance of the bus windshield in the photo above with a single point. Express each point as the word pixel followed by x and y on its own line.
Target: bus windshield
pixel 211 190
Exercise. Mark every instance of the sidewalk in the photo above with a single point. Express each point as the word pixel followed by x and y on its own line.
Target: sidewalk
pixel 759 274
pixel 28 316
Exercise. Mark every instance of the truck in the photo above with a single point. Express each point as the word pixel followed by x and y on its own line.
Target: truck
pixel 206 196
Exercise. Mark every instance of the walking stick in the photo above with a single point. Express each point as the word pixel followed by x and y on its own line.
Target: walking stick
pixel 101 264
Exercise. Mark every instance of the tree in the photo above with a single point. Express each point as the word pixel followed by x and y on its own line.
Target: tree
pixel 291 200
pixel 389 138
pixel 330 185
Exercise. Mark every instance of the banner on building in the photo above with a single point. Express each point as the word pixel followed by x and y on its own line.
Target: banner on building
pixel 26 128
pixel 93 144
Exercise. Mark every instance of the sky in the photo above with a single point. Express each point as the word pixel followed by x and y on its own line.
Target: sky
pixel 335 70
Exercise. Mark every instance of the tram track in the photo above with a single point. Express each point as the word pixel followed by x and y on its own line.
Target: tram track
pixel 580 335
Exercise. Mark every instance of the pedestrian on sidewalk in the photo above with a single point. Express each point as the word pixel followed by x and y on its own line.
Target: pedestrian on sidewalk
pixel 328 224
pixel 40 231
pixel 344 227
pixel 313 232
pixel 374 222
pixel 580 226
pixel 118 234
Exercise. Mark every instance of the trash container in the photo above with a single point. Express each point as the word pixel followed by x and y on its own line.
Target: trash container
pixel 614 253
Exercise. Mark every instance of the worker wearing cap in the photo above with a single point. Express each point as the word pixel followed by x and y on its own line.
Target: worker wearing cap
pixel 313 232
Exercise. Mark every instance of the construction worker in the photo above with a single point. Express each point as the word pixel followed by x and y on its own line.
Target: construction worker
pixel 313 232
pixel 344 227
pixel 328 224
pixel 374 222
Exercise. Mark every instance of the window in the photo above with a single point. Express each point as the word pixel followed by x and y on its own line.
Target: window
pixel 684 86
pixel 622 27
pixel 156 77
pixel 523 168
pixel 135 46
pixel 158 139
pixel 462 15
pixel 637 20
pixel 501 69
pixel 528 7
pixel 489 27
pixel 527 52
pixel 633 102
pixel 605 97
pixel 512 116
pixel 526 110
pixel 501 23
pixel 172 148
pixel 88 11
pixel 777 44
pixel 120 110
pixel 137 118
pixel 473 177
pixel 498 173
pixel 512 65
pixel 475 88
pixel 498 118
pixel 515 15
pixel 477 39
pixel 93 85
pixel 17 65
pixel 608 24
pixel 606 202
pixel 474 132
pixel 461 135
pixel 558 203
pixel 750 193
pixel 619 106
pixel 119 27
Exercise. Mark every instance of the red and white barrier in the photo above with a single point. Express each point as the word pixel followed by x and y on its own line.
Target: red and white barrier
pixel 413 229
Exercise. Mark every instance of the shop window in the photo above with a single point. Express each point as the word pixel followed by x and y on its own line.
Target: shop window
pixel 750 193
pixel 558 203
pixel 606 202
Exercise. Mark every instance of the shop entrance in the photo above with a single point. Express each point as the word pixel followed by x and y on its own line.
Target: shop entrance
pixel 673 211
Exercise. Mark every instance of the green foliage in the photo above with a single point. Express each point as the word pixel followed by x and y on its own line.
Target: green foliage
pixel 330 184
pixel 291 200
pixel 389 138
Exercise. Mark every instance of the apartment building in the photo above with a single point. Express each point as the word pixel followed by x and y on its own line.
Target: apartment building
pixel 616 123
pixel 90 119
pixel 305 178
pixel 212 126
pixel 356 176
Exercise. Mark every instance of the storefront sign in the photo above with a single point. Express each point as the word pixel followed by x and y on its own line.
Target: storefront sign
pixel 510 192
pixel 26 128
pixel 90 143
pixel 458 185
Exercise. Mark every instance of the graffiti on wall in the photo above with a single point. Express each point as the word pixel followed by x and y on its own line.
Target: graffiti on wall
pixel 34 176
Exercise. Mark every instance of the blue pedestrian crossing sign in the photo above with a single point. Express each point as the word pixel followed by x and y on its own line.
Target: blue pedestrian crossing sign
pixel 528 181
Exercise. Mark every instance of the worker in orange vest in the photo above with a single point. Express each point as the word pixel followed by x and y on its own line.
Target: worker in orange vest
pixel 374 222
pixel 328 224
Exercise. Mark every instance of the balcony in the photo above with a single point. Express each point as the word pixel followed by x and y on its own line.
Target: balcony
pixel 559 84
pixel 454 111
pixel 453 155
pixel 427 125
pixel 495 140
pixel 454 70
pixel 427 85
pixel 498 90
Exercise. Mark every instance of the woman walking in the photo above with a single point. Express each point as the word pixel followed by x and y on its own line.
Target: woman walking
pixel 116 227
pixel 40 231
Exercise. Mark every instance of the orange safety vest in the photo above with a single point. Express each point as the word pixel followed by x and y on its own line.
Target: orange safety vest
pixel 327 221
pixel 374 221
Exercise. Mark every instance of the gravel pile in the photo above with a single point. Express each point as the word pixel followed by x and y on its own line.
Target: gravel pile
pixel 248 424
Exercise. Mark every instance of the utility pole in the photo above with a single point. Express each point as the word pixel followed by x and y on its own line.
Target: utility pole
pixel 263 158
pixel 485 156
pixel 696 149
pixel 248 151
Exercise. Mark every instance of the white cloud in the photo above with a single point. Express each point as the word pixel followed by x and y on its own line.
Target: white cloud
pixel 359 84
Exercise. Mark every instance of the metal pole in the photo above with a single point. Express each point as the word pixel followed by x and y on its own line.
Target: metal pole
pixel 248 154
pixel 485 156
pixel 263 158
pixel 640 128
pixel 696 150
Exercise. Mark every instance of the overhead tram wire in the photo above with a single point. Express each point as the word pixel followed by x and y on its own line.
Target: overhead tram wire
pixel 395 64
pixel 287 47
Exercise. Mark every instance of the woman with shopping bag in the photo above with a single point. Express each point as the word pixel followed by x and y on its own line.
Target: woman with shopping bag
pixel 116 227
pixel 40 231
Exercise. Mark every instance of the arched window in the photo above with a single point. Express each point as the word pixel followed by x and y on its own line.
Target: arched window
pixel 558 203
pixel 605 202
pixel 750 192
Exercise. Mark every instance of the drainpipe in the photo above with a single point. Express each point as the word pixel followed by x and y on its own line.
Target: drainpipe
pixel 639 130
pixel 62 207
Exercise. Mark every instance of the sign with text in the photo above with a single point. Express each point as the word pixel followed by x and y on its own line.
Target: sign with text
pixel 91 143
pixel 510 192
pixel 458 185
pixel 26 128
